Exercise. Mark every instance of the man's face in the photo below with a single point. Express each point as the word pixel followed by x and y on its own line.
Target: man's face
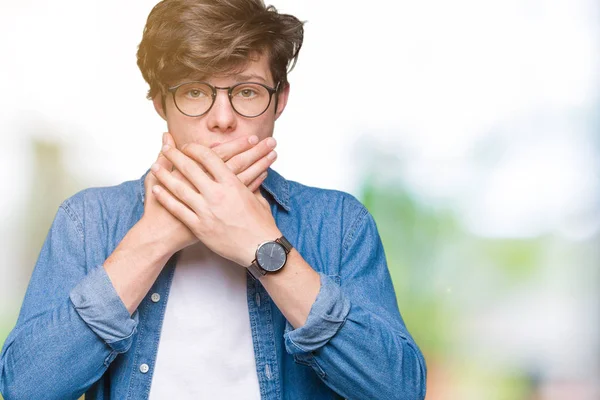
pixel 221 123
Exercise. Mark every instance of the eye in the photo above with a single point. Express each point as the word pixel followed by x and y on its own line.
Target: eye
pixel 247 93
pixel 195 93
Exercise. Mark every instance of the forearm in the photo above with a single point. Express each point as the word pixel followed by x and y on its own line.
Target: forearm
pixel 40 356
pixel 366 358
pixel 72 323
pixel 90 321
pixel 387 365
pixel 136 263
pixel 293 289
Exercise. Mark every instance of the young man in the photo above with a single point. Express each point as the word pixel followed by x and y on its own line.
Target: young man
pixel 205 278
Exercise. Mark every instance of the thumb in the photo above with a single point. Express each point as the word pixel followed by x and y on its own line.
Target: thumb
pixel 162 160
pixel 168 139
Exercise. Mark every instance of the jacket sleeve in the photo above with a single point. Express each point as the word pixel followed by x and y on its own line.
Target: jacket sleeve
pixel 72 323
pixel 354 337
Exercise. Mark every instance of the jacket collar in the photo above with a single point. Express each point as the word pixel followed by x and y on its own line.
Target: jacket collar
pixel 276 185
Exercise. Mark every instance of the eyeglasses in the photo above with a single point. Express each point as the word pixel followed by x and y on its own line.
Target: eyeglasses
pixel 248 99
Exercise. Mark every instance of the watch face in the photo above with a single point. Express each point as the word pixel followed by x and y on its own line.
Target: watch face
pixel 271 256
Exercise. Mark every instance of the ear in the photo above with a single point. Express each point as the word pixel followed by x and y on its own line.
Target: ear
pixel 159 103
pixel 282 100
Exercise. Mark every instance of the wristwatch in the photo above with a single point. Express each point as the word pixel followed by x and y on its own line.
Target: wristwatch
pixel 271 256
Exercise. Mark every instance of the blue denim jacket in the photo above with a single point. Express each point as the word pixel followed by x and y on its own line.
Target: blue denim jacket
pixel 74 334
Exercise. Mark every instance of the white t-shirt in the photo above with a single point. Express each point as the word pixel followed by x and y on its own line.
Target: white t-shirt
pixel 205 349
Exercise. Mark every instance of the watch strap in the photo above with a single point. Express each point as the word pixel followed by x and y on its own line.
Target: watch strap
pixel 255 271
pixel 285 243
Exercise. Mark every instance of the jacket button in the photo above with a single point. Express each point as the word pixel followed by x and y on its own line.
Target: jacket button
pixel 144 368
pixel 155 297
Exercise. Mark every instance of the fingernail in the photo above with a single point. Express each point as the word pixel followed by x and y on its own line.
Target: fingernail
pixel 155 189
pixel 263 175
pixel 166 147
pixel 155 167
pixel 164 139
pixel 271 142
pixel 272 155
pixel 253 139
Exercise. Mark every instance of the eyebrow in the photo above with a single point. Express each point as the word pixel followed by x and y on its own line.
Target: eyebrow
pixel 248 78
pixel 238 78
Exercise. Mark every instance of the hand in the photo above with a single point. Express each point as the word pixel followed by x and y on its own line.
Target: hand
pixel 160 223
pixel 219 209
pixel 250 165
pixel 243 157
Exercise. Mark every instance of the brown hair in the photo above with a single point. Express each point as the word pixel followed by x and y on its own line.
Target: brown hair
pixel 212 37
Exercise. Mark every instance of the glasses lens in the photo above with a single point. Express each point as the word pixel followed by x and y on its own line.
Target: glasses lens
pixel 193 98
pixel 250 99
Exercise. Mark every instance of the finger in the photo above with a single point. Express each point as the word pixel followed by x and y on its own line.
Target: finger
pixel 255 184
pixel 188 166
pixel 256 169
pixel 244 160
pixel 227 150
pixel 178 175
pixel 207 159
pixel 175 207
pixel 181 191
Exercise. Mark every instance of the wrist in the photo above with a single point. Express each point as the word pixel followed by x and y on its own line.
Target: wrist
pixel 154 240
pixel 257 241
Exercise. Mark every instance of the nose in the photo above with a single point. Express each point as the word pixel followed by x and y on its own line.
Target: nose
pixel 221 117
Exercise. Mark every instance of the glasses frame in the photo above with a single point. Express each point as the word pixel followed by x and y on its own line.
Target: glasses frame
pixel 229 89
